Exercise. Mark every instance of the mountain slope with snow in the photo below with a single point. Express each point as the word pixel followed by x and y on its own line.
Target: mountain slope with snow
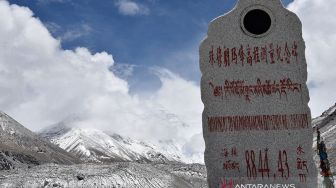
pixel 327 117
pixel 92 145
pixel 20 146
pixel 327 125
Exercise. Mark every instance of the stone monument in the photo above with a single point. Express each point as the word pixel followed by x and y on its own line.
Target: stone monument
pixel 256 119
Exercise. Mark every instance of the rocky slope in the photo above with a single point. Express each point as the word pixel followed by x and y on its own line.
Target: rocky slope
pixel 20 146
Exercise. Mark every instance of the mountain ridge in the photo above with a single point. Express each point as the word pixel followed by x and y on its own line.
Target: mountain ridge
pixel 93 145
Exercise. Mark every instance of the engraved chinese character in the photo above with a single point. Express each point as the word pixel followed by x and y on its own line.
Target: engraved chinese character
pixel 219 56
pixel 226 56
pixel 294 51
pixel 249 55
pixel 241 54
pixel 211 56
pixel 287 54
pixel 271 53
pixel 256 55
pixel 234 55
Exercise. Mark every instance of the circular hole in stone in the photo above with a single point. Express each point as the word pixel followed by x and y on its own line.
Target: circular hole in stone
pixel 257 22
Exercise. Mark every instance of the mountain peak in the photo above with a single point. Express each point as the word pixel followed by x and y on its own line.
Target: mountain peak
pixel 330 111
pixel 94 145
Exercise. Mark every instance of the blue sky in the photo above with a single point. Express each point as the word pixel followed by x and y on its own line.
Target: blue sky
pixel 161 33
pixel 158 38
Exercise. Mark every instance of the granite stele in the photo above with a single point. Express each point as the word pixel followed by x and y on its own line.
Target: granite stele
pixel 256 120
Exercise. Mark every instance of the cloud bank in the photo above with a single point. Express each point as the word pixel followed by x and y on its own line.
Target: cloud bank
pixel 319 26
pixel 131 8
pixel 42 84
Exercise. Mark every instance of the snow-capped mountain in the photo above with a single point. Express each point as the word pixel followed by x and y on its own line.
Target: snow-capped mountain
pixel 94 145
pixel 20 146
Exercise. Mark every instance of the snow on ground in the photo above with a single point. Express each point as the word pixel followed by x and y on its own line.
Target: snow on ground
pixel 116 175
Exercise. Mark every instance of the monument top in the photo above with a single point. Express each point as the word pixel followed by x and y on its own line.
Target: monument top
pixel 244 3
pixel 257 19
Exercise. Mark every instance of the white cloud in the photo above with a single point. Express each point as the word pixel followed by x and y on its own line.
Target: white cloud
pixel 318 20
pixel 180 96
pixel 123 70
pixel 194 148
pixel 72 33
pixel 77 32
pixel 42 84
pixel 131 8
